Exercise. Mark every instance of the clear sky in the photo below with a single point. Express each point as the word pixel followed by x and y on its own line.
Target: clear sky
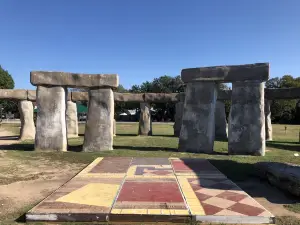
pixel 143 39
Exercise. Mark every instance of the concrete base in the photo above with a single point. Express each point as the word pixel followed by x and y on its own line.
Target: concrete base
pixel 51 131
pixel 26 117
pixel 72 120
pixel 99 125
pixel 246 133
pixel 145 123
pixel 198 121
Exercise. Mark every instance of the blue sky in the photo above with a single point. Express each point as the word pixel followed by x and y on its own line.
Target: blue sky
pixel 141 39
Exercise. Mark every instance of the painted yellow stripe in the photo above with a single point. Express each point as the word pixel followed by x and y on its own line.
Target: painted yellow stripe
pixel 90 166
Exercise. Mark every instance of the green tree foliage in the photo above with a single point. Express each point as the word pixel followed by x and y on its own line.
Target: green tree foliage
pixel 7 82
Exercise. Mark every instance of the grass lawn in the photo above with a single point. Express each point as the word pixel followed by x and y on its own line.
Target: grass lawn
pixel 163 144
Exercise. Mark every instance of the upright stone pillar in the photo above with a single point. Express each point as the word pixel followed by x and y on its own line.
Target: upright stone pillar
pixel 246 134
pixel 115 127
pixel 198 122
pixel 27 123
pixel 99 125
pixel 178 118
pixel 268 121
pixel 51 131
pixel 72 119
pixel 145 123
pixel 220 121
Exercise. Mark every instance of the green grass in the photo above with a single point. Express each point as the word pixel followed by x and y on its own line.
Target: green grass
pixel 293 207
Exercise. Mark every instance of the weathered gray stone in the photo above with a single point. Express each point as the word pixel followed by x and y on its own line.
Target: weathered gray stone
pixel 128 97
pixel 71 119
pixel 31 95
pixel 26 116
pixel 74 79
pixel 268 121
pixel 220 121
pixel 51 131
pixel 224 95
pixel 178 118
pixel 198 122
pixel 284 176
pixel 258 72
pixel 282 93
pixel 79 96
pixel 115 128
pixel 161 97
pixel 246 133
pixel 99 125
pixel 145 123
pixel 13 94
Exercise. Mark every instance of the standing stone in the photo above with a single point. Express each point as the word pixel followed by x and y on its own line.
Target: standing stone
pixel 99 125
pixel 145 124
pixel 220 120
pixel 247 119
pixel 27 123
pixel 71 118
pixel 178 118
pixel 198 122
pixel 268 121
pixel 115 127
pixel 51 131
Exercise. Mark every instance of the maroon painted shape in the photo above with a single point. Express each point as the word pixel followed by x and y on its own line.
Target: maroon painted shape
pixel 247 210
pixel 210 209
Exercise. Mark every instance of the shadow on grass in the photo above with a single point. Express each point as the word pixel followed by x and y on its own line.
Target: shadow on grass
pixel 9 137
pixel 163 135
pixel 283 145
pixel 139 148
pixel 129 135
pixel 18 147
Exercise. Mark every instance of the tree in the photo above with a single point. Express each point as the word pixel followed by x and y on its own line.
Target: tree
pixel 7 82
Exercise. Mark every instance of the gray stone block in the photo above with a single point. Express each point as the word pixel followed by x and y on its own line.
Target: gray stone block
pixel 161 97
pixel 145 123
pixel 198 122
pixel 224 95
pixel 115 128
pixel 99 125
pixel 13 94
pixel 282 93
pixel 268 121
pixel 27 131
pixel 129 97
pixel 31 95
pixel 51 131
pixel 72 120
pixel 246 133
pixel 74 79
pixel 220 121
pixel 79 96
pixel 178 118
pixel 257 72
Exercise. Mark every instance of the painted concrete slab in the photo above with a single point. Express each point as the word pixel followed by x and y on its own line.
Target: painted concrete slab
pixel 124 189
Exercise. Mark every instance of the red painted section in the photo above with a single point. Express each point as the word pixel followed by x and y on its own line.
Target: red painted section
pixel 180 165
pixel 150 192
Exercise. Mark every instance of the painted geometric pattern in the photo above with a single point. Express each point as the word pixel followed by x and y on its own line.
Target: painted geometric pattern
pixel 122 186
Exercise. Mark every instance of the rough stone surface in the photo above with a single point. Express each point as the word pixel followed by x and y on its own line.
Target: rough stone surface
pixel 198 122
pixel 246 133
pixel 99 125
pixel 178 118
pixel 161 97
pixel 74 79
pixel 79 96
pixel 26 117
pixel 115 128
pixel 71 119
pixel 128 97
pixel 268 121
pixel 13 94
pixel 145 123
pixel 31 95
pixel 282 93
pixel 220 121
pixel 51 131
pixel 224 95
pixel 258 72
pixel 284 176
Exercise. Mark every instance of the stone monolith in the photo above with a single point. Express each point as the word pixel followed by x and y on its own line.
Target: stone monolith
pixel 99 125
pixel 246 132
pixel 72 119
pixel 115 128
pixel 51 131
pixel 145 123
pixel 268 121
pixel 27 123
pixel 178 118
pixel 220 121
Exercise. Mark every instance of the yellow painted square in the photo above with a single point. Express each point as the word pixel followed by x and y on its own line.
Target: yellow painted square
pixel 154 211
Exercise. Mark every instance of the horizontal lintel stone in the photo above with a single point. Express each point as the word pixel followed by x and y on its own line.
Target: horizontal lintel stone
pixel 13 94
pixel 257 71
pixel 73 79
pixel 129 97
pixel 31 95
pixel 162 97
